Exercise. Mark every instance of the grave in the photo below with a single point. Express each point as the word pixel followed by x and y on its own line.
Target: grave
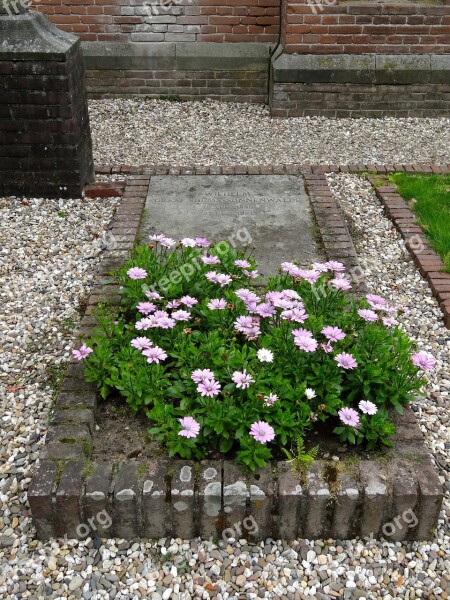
pixel 270 213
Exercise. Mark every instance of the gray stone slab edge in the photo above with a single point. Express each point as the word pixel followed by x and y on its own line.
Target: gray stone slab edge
pixel 71 494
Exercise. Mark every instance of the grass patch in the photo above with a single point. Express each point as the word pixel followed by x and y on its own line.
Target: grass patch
pixel 429 196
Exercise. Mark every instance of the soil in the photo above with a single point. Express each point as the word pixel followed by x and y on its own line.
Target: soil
pixel 122 435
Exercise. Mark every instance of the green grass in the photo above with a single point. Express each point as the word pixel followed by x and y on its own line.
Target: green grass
pixel 431 194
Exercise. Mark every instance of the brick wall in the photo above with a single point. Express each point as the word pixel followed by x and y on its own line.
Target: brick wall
pixel 153 21
pixel 363 28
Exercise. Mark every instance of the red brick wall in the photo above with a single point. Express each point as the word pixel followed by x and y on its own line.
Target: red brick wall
pixel 160 20
pixel 360 28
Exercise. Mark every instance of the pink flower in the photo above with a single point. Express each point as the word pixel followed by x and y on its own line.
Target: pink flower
pixel 165 322
pixel 157 237
pixel 270 400
pixel 217 304
pixel 188 301
pixel 348 416
pixel 146 323
pixel 305 343
pixel 191 428
pixel 202 242
pixel 252 274
pixel 333 334
pixel 181 315
pixel 333 265
pixel 242 263
pixel 208 387
pixel 146 307
pixel 291 294
pixel 285 303
pixel 154 355
pixel 311 276
pixel 327 348
pixel 141 343
pixel 368 315
pixel 367 407
pixel 321 267
pixel 173 304
pixel 424 360
pixel 244 322
pixel 300 332
pixel 265 310
pixel 82 352
pixel 188 242
pixel 289 268
pixel 210 260
pixel 389 321
pixel 223 279
pixel 262 432
pixel 341 283
pixel 136 273
pixel 212 276
pixel 167 242
pixel 375 301
pixel 200 375
pixel 153 295
pixel 296 314
pixel 242 379
pixel 247 295
pixel 345 361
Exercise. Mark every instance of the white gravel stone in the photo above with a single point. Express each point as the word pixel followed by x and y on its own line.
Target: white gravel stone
pixel 137 131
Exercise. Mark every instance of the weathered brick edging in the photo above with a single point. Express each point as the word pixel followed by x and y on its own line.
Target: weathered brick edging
pixel 398 496
pixel 428 262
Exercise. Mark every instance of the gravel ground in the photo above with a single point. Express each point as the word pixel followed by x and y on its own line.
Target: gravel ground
pixel 135 131
pixel 42 281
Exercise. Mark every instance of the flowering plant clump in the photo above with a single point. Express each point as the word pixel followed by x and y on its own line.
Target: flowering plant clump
pixel 219 365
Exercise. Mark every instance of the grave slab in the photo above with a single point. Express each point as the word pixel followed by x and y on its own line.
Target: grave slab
pixel 270 213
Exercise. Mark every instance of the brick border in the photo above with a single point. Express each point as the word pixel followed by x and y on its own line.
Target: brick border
pixel 179 498
pixel 427 261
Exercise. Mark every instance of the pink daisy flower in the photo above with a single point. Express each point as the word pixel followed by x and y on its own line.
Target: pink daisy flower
pixel 136 273
pixel 151 295
pixel 212 276
pixel 188 243
pixel 168 242
pixel 188 301
pixel 376 301
pixel 247 295
pixel 333 265
pixel 217 304
pixel 311 276
pixel 242 263
pixel 321 267
pixel 242 379
pixel 424 360
pixel 141 343
pixel 333 334
pixel 327 348
pixel 223 279
pixel 146 307
pixel 154 355
pixel 341 283
pixel 367 407
pixel 305 343
pixel 265 310
pixel 208 387
pixel 165 322
pixel 157 237
pixel 345 361
pixel 181 315
pixel 296 314
pixel 368 315
pixel 348 416
pixel 244 322
pixel 173 304
pixel 210 260
pixel 292 294
pixel 289 268
pixel 82 352
pixel 200 375
pixel 262 432
pixel 252 274
pixel 146 323
pixel 191 428
pixel 389 321
pixel 202 242
pixel 270 400
pixel 300 332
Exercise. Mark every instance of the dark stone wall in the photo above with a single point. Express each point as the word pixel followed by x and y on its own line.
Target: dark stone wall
pixel 45 142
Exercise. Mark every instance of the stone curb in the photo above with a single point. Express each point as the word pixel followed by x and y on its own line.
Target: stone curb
pixel 277 169
pixel 71 494
pixel 430 265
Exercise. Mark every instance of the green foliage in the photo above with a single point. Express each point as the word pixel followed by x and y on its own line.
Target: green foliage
pixel 302 459
pixel 278 393
pixel 431 195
